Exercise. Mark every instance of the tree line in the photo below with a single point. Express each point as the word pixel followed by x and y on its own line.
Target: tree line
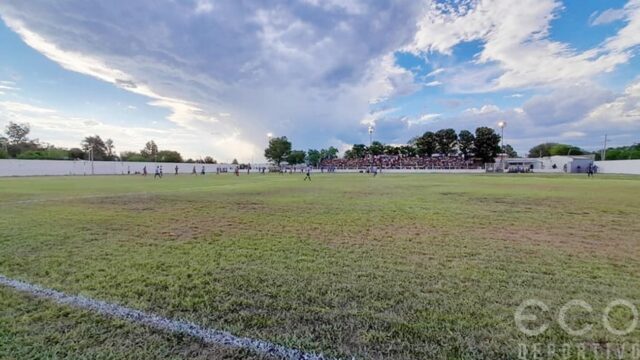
pixel 483 144
pixel 280 150
pixel 16 144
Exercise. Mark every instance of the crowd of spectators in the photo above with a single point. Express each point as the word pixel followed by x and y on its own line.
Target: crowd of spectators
pixel 401 162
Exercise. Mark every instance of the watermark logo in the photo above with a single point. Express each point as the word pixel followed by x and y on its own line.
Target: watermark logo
pixel 533 318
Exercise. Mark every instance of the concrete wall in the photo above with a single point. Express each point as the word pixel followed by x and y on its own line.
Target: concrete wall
pixel 83 167
pixel 619 167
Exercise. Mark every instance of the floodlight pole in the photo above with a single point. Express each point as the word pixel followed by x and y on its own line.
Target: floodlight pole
pixel 370 143
pixel 91 158
pixel 502 125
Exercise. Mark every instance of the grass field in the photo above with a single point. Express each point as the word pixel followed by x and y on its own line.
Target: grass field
pixel 394 267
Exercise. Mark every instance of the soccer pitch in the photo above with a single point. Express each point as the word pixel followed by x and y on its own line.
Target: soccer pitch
pixel 394 267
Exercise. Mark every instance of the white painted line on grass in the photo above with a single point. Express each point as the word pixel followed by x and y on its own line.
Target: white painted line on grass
pixel 115 195
pixel 211 336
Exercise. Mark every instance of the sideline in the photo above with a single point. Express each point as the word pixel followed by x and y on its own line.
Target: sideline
pixel 211 336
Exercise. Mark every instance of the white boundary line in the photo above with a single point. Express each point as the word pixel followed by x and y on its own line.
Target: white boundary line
pixel 211 336
pixel 114 195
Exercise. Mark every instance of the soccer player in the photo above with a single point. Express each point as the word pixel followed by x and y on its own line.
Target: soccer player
pixel 308 175
pixel 202 172
pixel 157 173
pixel 194 172
pixel 144 171
pixel 176 169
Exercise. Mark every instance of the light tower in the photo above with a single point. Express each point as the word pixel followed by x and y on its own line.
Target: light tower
pixel 370 143
pixel 502 124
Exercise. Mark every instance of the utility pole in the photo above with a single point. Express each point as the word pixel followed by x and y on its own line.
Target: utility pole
pixel 604 149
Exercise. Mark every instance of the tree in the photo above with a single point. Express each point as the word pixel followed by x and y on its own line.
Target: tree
pixel 508 149
pixel 465 142
pixel 426 144
pixel 446 141
pixel 376 148
pixel 541 150
pixel 391 150
pixel 487 144
pixel 131 156
pixel 329 154
pixel 109 147
pixel 234 162
pixel 95 144
pixel 313 157
pixel 564 149
pixel 408 150
pixel 76 153
pixel 17 133
pixel 169 156
pixel 208 160
pixel 296 157
pixel 278 150
pixel 150 150
pixel 358 151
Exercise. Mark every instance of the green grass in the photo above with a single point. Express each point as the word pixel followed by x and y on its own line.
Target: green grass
pixel 398 266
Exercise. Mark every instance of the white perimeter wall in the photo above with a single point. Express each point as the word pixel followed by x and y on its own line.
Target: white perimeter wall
pixel 619 167
pixel 83 167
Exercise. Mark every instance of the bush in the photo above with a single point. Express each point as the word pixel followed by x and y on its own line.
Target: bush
pixel 45 154
pixel 4 154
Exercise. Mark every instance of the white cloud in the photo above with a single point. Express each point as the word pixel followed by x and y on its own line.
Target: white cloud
pixel 517 51
pixel 204 6
pixel 607 16
pixel 312 69
pixel 301 69
pixel 423 119
pixel 12 107
pixel 485 109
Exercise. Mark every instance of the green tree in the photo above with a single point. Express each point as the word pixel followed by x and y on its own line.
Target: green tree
pixel 487 144
pixel 329 154
pixel 358 151
pixel 131 156
pixel 408 150
pixel 234 162
pixel 296 157
pixel 76 153
pixel 391 150
pixel 150 151
pixel 210 160
pixel 426 144
pixel 96 144
pixel 446 140
pixel 465 142
pixel 109 149
pixel 313 157
pixel 278 150
pixel 4 147
pixel 508 149
pixel 564 149
pixel 169 156
pixel 376 148
pixel 17 133
pixel 541 150
pixel 49 153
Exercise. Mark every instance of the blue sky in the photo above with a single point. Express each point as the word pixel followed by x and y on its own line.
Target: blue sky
pixel 213 77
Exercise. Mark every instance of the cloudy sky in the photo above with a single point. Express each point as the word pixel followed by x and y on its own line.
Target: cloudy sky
pixel 213 77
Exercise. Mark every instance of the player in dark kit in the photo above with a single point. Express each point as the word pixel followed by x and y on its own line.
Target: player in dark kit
pixel 308 175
